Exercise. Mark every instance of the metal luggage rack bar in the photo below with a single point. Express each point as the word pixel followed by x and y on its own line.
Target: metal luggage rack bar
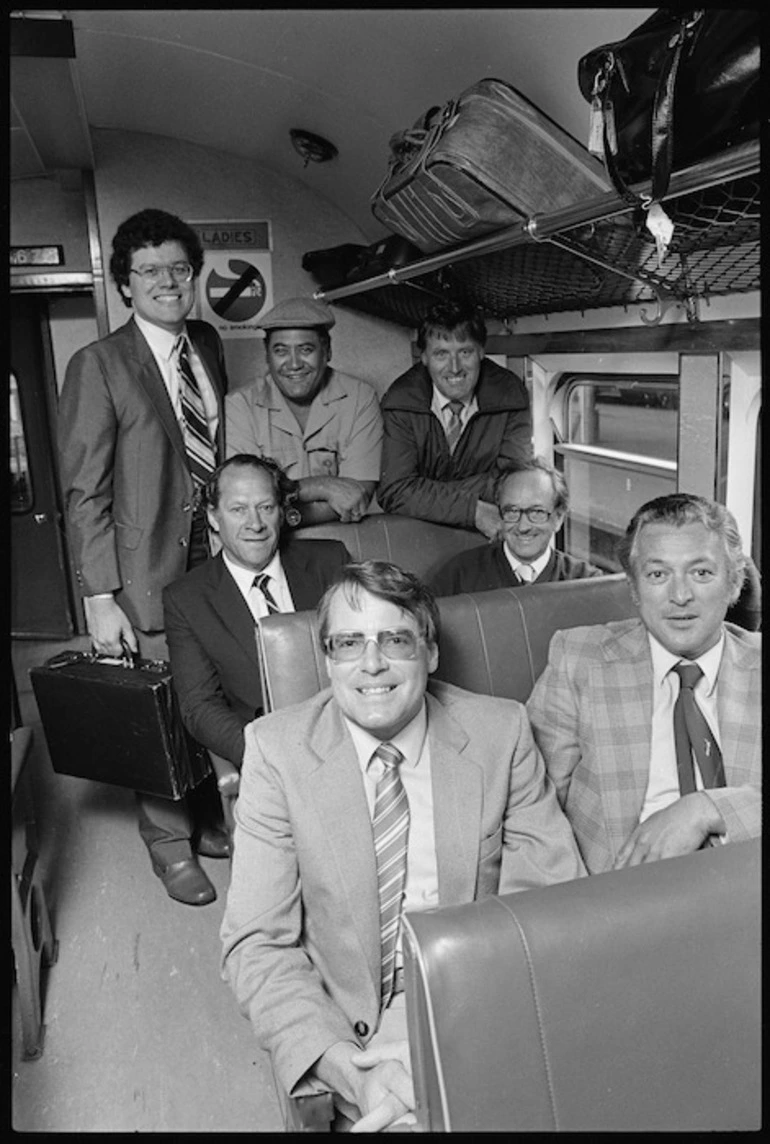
pixel 596 253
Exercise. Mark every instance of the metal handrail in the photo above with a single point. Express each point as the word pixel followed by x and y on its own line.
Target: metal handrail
pixel 735 163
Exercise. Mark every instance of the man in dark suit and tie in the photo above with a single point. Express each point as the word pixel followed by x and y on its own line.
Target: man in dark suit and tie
pixel 532 502
pixel 140 430
pixel 210 612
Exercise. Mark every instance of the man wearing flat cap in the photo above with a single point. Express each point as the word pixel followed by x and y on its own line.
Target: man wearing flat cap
pixel 323 427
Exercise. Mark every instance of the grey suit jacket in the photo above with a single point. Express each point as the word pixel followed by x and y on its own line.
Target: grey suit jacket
pixel 591 712
pixel 127 486
pixel 301 925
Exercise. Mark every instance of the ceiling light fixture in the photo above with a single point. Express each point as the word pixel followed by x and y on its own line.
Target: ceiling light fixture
pixel 312 148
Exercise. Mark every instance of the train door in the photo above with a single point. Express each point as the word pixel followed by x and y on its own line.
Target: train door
pixel 40 597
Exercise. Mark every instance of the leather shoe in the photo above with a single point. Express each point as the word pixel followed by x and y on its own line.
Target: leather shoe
pixel 185 882
pixel 213 842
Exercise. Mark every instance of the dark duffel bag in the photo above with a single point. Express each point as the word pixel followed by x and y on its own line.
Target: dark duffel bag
pixel 117 721
pixel 681 87
pixel 484 161
pixel 340 265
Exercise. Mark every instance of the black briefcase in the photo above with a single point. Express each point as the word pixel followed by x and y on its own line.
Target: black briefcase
pixel 117 721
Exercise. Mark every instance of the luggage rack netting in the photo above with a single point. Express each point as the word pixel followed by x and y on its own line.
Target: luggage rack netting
pixel 715 250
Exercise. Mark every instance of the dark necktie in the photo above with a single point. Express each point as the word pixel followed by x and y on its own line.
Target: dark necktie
pixel 201 456
pixel 260 582
pixel 455 426
pixel 692 735
pixel 390 825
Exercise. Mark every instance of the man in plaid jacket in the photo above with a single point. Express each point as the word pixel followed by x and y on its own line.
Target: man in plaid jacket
pixel 602 711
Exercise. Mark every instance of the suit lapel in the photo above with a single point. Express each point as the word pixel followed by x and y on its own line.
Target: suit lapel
pixel 302 578
pixel 335 791
pixel 211 365
pixel 458 790
pixel 738 706
pixel 148 377
pixel 228 602
pixel 623 682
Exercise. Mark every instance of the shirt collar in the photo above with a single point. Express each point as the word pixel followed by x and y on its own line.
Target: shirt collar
pixel 439 403
pixel 538 564
pixel 409 740
pixel 663 660
pixel 244 577
pixel 160 341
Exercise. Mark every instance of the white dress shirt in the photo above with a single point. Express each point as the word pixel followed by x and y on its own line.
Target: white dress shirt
pixel 663 781
pixel 277 584
pixel 421 865
pixel 162 343
pixel 537 566
pixel 440 407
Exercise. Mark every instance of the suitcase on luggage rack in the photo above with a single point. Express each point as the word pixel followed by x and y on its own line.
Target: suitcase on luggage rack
pixel 484 161
pixel 115 722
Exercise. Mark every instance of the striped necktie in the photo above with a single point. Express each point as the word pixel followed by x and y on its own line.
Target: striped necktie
pixel 200 451
pixel 260 582
pixel 692 734
pixel 455 426
pixel 390 825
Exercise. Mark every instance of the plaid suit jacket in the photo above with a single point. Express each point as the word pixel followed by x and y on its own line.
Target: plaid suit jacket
pixel 591 713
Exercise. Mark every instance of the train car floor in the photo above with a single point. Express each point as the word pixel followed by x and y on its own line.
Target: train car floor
pixel 141 1032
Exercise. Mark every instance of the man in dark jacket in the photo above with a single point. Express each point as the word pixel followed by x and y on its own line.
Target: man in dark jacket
pixel 533 503
pixel 453 423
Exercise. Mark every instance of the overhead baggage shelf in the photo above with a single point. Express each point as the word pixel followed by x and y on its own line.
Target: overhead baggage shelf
pixel 596 254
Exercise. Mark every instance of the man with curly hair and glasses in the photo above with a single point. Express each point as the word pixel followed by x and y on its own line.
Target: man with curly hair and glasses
pixel 141 428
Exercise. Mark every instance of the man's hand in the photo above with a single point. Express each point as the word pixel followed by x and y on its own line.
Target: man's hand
pixel 108 625
pixel 387 1094
pixel 377 1081
pixel 488 519
pixel 348 499
pixel 677 829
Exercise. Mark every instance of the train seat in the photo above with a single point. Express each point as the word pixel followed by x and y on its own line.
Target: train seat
pixel 628 1001
pixel 495 643
pixel 419 546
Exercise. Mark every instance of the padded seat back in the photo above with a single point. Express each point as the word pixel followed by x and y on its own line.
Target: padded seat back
pixel 418 546
pixel 628 1001
pixel 494 643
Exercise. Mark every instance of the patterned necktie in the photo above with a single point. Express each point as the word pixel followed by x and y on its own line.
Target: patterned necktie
pixel 455 426
pixel 200 451
pixel 390 825
pixel 260 582
pixel 692 734
pixel 526 573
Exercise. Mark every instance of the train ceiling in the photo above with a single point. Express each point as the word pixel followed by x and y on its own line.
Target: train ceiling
pixel 240 80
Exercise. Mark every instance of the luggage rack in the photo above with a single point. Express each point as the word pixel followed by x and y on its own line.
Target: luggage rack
pixel 596 254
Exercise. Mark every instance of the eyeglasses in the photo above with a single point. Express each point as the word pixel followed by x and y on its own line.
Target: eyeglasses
pixel 344 647
pixel 179 271
pixel 512 515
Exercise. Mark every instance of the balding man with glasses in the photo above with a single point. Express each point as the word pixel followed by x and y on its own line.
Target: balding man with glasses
pixel 532 502
pixel 140 432
pixel 385 792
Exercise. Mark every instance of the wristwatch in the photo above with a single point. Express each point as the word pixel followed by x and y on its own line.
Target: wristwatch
pixel 291 513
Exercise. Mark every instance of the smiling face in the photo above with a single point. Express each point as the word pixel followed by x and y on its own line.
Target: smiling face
pixel 379 694
pixel 529 489
pixel 454 364
pixel 298 361
pixel 247 518
pixel 681 586
pixel 165 303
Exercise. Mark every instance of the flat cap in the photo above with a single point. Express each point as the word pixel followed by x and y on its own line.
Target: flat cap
pixel 297 313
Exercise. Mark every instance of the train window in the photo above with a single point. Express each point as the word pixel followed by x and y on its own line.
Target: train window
pixel 21 480
pixel 618 450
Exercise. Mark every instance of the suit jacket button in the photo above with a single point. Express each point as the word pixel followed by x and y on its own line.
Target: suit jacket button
pixel 183 541
pixel 186 507
pixel 361 1029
